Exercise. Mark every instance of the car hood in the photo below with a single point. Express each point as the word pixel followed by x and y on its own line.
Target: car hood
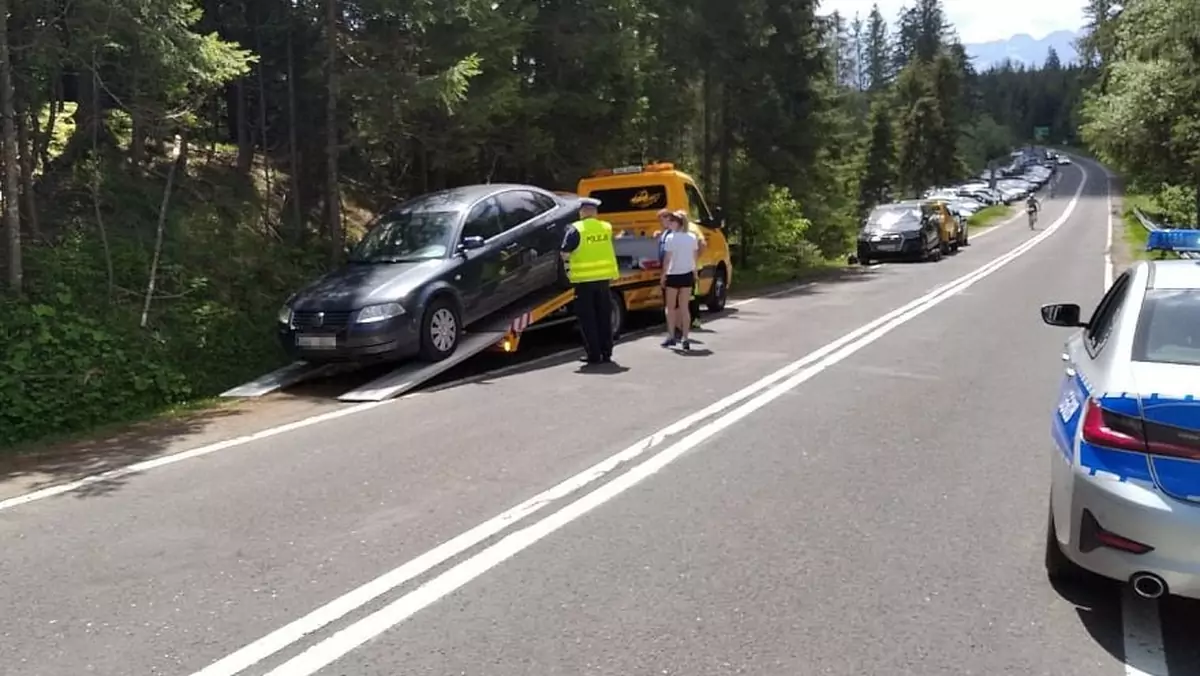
pixel 356 285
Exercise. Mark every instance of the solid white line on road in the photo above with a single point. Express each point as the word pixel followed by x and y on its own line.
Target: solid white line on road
pixel 329 650
pixel 146 465
pixel 1145 652
pixel 1108 242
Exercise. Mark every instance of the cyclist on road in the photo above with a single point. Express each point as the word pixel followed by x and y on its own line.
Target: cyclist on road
pixel 1032 207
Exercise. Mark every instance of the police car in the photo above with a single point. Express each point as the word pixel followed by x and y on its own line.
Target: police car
pixel 1125 488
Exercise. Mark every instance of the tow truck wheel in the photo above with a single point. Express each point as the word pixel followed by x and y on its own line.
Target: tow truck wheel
pixel 718 293
pixel 441 328
pixel 618 313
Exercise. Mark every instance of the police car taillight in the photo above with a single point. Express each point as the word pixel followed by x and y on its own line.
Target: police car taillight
pixel 1109 429
pixel 1112 430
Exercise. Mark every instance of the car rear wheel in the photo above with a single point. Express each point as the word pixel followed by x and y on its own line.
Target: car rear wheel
pixel 441 328
pixel 1058 566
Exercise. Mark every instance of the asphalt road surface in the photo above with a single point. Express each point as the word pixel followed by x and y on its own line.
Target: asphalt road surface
pixel 845 478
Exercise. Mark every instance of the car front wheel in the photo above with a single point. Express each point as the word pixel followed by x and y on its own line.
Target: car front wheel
pixel 719 292
pixel 441 328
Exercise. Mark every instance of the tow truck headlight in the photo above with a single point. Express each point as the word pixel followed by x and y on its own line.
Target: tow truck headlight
pixel 379 313
pixel 285 314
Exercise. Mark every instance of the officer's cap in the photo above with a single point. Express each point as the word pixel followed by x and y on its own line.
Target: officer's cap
pixel 589 202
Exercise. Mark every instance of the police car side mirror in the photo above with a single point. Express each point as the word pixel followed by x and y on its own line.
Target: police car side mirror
pixel 1062 314
pixel 470 243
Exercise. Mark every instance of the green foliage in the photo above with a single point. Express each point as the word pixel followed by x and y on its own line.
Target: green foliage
pixel 75 356
pixel 1143 117
pixel 989 216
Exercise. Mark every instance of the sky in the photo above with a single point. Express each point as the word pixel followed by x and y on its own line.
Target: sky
pixel 980 20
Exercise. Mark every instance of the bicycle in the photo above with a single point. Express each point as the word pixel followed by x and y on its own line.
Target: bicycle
pixel 1033 215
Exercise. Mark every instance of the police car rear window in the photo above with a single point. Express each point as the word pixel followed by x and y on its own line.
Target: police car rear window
pixel 640 198
pixel 1168 329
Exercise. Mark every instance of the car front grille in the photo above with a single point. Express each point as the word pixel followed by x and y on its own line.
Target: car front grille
pixel 321 320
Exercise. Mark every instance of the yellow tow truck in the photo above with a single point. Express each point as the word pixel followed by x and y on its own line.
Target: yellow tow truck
pixel 630 198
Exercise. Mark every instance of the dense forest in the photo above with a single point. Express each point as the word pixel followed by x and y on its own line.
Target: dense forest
pixel 173 169
pixel 1141 114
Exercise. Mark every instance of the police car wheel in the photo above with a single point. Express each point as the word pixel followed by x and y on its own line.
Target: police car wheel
pixel 441 328
pixel 1058 566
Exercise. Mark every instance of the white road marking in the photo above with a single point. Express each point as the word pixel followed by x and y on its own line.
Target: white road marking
pixel 1145 653
pixel 1108 242
pixel 793 375
pixel 145 465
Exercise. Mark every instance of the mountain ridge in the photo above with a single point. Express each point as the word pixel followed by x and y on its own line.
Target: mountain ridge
pixel 1024 49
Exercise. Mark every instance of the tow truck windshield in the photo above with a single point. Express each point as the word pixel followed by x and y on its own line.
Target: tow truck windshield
pixel 407 236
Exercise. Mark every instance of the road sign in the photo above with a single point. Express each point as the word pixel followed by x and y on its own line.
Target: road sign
pixel 1041 133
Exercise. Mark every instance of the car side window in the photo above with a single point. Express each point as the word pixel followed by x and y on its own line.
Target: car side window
pixel 484 220
pixel 697 210
pixel 519 206
pixel 1100 326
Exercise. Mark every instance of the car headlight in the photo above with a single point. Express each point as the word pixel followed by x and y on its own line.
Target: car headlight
pixel 379 313
pixel 285 314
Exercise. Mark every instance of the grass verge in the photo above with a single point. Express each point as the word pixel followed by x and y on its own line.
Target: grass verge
pixel 989 217
pixel 749 280
pixel 1134 234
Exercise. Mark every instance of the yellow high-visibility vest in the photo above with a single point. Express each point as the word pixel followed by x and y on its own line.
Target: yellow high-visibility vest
pixel 594 259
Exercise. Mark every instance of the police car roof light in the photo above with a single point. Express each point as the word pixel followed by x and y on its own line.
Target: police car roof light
pixel 1173 240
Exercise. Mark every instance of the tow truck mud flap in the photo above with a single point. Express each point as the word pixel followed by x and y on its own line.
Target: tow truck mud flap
pixel 413 374
pixel 289 375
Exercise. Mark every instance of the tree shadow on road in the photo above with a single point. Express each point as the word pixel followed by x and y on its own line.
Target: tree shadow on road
pixel 30 468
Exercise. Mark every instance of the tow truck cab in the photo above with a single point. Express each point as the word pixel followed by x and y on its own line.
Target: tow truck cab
pixel 630 198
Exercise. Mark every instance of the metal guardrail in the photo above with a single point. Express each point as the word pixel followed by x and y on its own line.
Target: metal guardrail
pixel 1151 226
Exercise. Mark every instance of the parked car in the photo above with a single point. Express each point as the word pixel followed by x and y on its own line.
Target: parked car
pixel 428 268
pixel 909 230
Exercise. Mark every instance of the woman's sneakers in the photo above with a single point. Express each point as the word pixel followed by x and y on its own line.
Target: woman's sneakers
pixel 687 345
pixel 670 342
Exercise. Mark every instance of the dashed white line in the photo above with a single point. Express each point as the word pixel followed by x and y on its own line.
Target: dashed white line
pixel 1145 652
pixel 757 396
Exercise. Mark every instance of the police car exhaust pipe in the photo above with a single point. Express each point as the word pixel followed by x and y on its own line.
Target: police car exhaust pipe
pixel 1148 585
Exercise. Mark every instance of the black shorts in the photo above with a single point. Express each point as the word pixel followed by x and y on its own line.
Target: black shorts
pixel 682 281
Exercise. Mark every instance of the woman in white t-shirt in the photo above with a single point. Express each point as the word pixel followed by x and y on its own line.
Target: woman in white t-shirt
pixel 681 250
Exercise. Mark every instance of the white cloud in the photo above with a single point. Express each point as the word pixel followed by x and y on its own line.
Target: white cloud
pixel 979 20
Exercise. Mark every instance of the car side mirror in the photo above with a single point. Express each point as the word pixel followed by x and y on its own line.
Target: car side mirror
pixel 718 219
pixel 1062 314
pixel 470 243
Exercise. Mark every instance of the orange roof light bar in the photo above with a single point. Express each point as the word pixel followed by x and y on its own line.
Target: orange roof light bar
pixel 634 169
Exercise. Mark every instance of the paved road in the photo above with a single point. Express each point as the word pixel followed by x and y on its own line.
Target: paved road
pixel 876 508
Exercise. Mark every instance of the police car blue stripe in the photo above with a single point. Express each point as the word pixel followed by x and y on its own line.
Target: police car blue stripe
pixel 1125 465
pixel 1175 411
pixel 1178 478
pixel 1123 403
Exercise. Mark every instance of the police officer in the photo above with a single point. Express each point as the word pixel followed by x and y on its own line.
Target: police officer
pixel 591 261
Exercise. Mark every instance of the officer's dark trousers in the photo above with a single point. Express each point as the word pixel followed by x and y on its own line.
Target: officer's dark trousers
pixel 593 307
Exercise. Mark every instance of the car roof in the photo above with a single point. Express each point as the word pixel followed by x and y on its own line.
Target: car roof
pixel 464 196
pixel 1174 274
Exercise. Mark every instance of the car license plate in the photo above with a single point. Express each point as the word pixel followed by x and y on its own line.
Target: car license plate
pixel 888 246
pixel 317 342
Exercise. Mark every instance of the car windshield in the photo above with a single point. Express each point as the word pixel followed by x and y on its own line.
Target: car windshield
pixel 407 235
pixel 894 218
pixel 1168 329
